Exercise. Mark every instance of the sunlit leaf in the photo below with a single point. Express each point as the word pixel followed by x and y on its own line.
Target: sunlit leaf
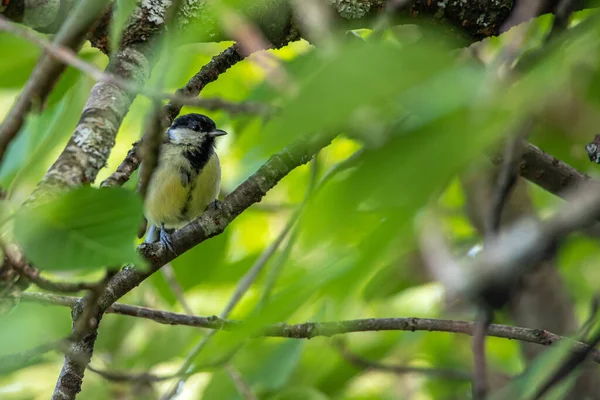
pixel 15 70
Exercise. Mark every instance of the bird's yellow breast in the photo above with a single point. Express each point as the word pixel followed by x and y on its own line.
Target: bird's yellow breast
pixel 169 201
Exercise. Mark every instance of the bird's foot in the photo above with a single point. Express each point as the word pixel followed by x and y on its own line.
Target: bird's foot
pixel 165 238
pixel 214 205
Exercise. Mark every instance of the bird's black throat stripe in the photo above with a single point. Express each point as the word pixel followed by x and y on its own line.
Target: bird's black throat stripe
pixel 198 158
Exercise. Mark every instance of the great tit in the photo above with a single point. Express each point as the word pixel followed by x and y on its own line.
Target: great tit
pixel 187 178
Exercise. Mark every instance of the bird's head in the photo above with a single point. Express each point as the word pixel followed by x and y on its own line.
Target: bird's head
pixel 193 129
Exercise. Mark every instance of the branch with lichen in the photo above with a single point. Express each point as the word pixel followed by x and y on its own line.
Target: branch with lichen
pixel 309 330
pixel 277 19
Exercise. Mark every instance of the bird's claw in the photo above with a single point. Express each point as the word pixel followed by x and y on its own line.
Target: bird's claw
pixel 165 238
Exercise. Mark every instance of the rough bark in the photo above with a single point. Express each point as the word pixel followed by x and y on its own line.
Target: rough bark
pixel 477 19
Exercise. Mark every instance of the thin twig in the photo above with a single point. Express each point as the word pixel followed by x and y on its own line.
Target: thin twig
pixel 240 384
pixel 145 377
pixel 398 369
pixel 278 264
pixel 86 317
pixel 154 133
pixel 150 149
pixel 550 173
pixel 311 330
pixel 562 14
pixel 16 260
pixel 568 366
pixel 480 378
pixel 507 178
pixel 12 362
pixel 588 324
pixel 169 273
pixel 117 376
pixel 125 169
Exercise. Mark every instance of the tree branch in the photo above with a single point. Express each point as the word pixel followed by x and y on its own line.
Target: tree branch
pixel 309 330
pixel 16 261
pixel 550 173
pixel 477 19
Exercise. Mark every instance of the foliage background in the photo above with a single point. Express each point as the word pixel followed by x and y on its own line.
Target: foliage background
pixel 383 276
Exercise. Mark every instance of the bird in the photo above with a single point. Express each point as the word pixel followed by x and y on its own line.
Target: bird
pixel 187 178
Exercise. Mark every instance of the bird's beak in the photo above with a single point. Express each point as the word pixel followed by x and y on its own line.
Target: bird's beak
pixel 217 132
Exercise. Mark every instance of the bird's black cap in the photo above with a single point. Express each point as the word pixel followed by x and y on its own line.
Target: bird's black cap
pixel 195 122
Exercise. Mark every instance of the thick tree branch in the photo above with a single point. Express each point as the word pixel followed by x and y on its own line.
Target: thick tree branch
pixel 94 137
pixel 277 18
pixel 309 330
pixel 550 173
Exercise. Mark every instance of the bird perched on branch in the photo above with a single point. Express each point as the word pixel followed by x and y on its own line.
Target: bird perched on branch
pixel 187 178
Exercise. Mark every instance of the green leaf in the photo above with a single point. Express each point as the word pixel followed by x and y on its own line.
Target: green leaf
pixel 26 160
pixel 272 372
pixel 276 367
pixel 15 70
pixel 124 8
pixel 527 385
pixel 86 228
pixel 299 393
pixel 334 88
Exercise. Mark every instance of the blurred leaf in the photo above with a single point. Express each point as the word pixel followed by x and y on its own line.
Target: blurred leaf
pixel 85 228
pixel 221 387
pixel 544 366
pixel 21 328
pixel 15 70
pixel 390 280
pixel 277 366
pixel 299 393
pixel 118 22
pixel 359 75
pixel 26 158
pixel 274 370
